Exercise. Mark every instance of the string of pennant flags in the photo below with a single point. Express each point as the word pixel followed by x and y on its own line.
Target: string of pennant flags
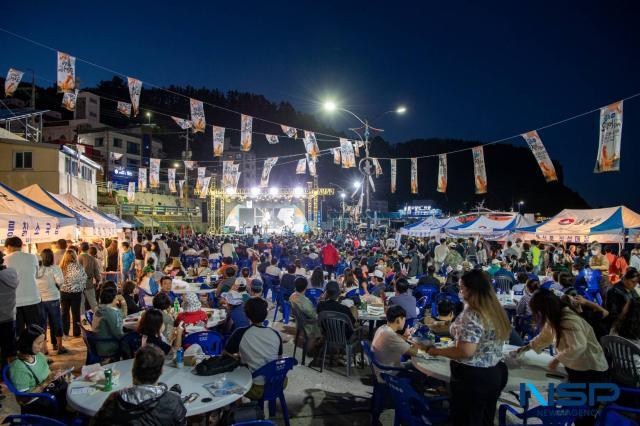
pixel 608 157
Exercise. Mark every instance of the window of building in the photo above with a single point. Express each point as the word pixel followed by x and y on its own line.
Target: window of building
pixel 132 163
pixel 99 141
pixel 133 148
pixel 92 114
pixel 117 143
pixel 87 173
pixel 23 160
pixel 70 166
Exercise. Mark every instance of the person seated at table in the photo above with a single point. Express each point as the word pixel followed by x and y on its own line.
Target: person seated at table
pixel 166 284
pixel 162 303
pixel 108 321
pixel 242 281
pixel 317 278
pixel 445 314
pixel 203 268
pixel 628 326
pixel 521 282
pixel 301 302
pixel 430 278
pixel 175 269
pixel 150 332
pixel 619 294
pixel 300 271
pixel 128 289
pixel 451 285
pixel 287 282
pixel 522 308
pixel 148 287
pixel 192 313
pixel 330 303
pixel 565 281
pixel 273 269
pixel 478 373
pixel 255 345
pixel 234 304
pixel 255 289
pixel 227 283
pixel 404 299
pixel 504 271
pixel 227 263
pixel 146 401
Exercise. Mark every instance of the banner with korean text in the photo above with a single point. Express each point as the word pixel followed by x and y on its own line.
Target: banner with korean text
pixel 12 81
pixel 66 73
pixel 540 153
pixel 301 168
pixel 131 192
pixel 442 173
pixel 479 170
pixel 135 88
pixel 205 187
pixel 414 175
pixel 311 144
pixel 197 115
pixel 346 151
pixel 154 172
pixel 394 172
pixel 124 108
pixel 218 141
pixel 610 138
pixel 266 171
pixel 171 177
pixel 246 127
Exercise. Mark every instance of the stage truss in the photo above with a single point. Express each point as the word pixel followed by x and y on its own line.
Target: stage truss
pixel 219 197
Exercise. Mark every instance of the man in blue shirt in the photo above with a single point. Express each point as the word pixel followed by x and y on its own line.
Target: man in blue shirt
pixel 402 298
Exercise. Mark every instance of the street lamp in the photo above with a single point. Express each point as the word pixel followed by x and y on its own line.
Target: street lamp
pixel 520 204
pixel 148 115
pixel 356 184
pixel 401 110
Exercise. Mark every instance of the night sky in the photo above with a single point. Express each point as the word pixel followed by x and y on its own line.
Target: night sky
pixel 474 70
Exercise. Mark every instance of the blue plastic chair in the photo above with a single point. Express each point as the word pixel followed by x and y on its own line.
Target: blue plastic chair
pixel 426 290
pixel 269 282
pixel 282 302
pixel 340 267
pixel 31 420
pixel 379 389
pixel 611 413
pixel 443 296
pixel 88 315
pixel 90 340
pixel 210 341
pixel 411 408
pixel 547 414
pixel 27 395
pixel 355 292
pixel 313 294
pixel 256 423
pixel 274 374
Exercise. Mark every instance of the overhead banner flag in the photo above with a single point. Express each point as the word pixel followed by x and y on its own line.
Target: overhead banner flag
pixel 142 179
pixel 394 171
pixel 124 108
pixel 205 187
pixel 69 100
pixel 227 173
pixel 336 155
pixel 131 192
pixel 116 156
pixel 182 123
pixel 12 81
pixel 442 173
pixel 199 180
pixel 171 177
pixel 246 127
pixel 301 168
pixel 479 170
pixel 197 115
pixel 414 175
pixel 190 165
pixel 154 172
pixel 272 139
pixel 312 165
pixel 377 166
pixel 540 153
pixel 610 138
pixel 218 141
pixel 311 144
pixel 66 73
pixel 266 171
pixel 356 148
pixel 180 186
pixel 291 132
pixel 135 88
pixel 346 151
pixel 109 187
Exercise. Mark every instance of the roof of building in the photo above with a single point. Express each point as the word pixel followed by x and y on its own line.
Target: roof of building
pixel 6 135
pixel 17 113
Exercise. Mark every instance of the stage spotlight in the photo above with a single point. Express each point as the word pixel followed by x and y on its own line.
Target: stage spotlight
pixel 230 190
pixel 255 191
pixel 298 191
pixel 274 191
pixel 356 184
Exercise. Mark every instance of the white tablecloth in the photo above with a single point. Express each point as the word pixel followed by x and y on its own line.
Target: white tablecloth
pixel 90 403
pixel 131 322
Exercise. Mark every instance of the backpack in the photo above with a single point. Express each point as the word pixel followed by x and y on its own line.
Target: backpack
pixel 216 365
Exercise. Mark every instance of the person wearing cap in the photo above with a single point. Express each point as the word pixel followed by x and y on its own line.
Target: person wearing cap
pixel 192 310
pixel 234 303
pixel 255 289
pixel 331 304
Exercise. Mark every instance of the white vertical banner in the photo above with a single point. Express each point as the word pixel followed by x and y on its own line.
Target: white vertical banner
pixel 312 165
pixel 540 153
pixel 394 172
pixel 66 73
pixel 272 139
pixel 124 108
pixel 69 100
pixel 200 179
pixel 266 171
pixel 205 187
pixel 479 170
pixel 190 165
pixel 291 132
pixel 377 167
pixel 311 144
pixel 135 88
pixel 142 179
pixel 180 186
pixel 227 174
pixel 12 81
pixel 197 115
pixel 109 187
pixel 442 173
pixel 154 172
pixel 182 123
pixel 236 179
pixel 414 175
pixel 131 192
pixel 246 129
pixel 346 151
pixel 336 155
pixel 171 178
pixel 610 138
pixel 218 141
pixel 301 168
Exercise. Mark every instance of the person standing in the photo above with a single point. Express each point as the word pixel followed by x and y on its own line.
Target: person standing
pixel 127 262
pixel 330 257
pixel 8 286
pixel 61 246
pixel 440 253
pixel 92 269
pixel 164 252
pixel 49 278
pixel 28 309
pixel 227 249
pixel 71 291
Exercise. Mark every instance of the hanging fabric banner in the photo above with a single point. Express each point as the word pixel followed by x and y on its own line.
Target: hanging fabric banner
pixel 124 108
pixel 171 177
pixel 227 173
pixel 246 127
pixel 205 187
pixel 197 115
pixel 266 171
pixel 109 187
pixel 442 173
pixel 66 72
pixel 190 165
pixel 12 81
pixel 182 123
pixel 610 139
pixel 356 148
pixel 336 155
pixel 479 170
pixel 301 168
pixel 414 175
pixel 131 192
pixel 142 179
pixel 394 171
pixel 377 166
pixel 69 100
pixel 311 144
pixel 116 156
pixel 199 180
pixel 540 153
pixel 180 186
pixel 236 180
pixel 272 139
pixel 312 165
pixel 154 172
pixel 291 132
pixel 346 151
pixel 218 141
pixel 135 87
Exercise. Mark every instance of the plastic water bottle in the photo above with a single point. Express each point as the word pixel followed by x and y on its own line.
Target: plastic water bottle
pixel 180 358
pixel 176 305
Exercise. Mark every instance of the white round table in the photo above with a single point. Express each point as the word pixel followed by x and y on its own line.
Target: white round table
pixel 197 290
pixel 90 403
pixel 533 369
pixel 131 322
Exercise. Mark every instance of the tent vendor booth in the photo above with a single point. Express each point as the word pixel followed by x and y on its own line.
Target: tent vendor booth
pixel 430 227
pixel 499 229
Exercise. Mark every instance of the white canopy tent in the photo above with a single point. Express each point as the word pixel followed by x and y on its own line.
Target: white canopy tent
pixel 121 223
pixel 102 225
pixel 490 229
pixel 32 222
pixel 430 227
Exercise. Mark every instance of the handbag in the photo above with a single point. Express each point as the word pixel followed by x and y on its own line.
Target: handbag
pixel 216 365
